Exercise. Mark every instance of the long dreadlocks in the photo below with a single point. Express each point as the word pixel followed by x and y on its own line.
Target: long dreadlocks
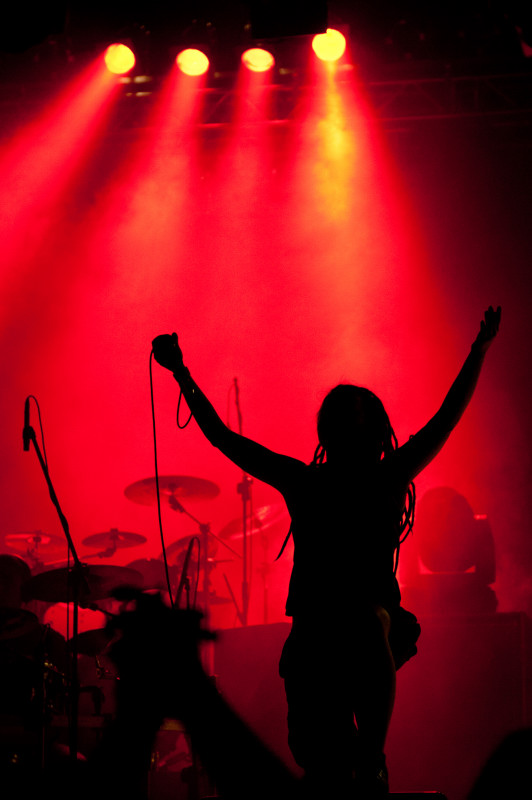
pixel 379 427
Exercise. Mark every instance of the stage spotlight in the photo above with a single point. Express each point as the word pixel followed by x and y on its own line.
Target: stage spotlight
pixel 192 62
pixel 329 46
pixel 119 59
pixel 258 60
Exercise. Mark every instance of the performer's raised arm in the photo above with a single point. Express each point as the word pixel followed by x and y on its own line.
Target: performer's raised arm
pixel 264 464
pixel 421 448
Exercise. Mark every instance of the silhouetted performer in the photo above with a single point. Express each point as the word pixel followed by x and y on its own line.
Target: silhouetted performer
pixel 350 508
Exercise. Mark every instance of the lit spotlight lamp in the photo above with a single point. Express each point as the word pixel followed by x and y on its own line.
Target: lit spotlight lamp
pixel 329 46
pixel 119 58
pixel 257 59
pixel 192 61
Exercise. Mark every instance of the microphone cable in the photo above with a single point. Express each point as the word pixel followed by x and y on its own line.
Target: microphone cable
pixel 158 492
pixel 181 427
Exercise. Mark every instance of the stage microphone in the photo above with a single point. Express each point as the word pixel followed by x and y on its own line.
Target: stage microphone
pixel 184 573
pixel 26 429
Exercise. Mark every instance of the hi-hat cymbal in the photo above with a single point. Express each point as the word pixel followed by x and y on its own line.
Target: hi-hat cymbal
pixel 180 487
pixel 114 539
pixel 35 543
pixel 98 581
pixel 263 518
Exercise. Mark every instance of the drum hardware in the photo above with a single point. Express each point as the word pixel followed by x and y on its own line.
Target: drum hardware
pixel 174 488
pixel 152 569
pixel 260 522
pixel 113 540
pixel 36 546
pixel 74 576
pixel 55 689
pixel 104 673
pixel 208 544
pixel 176 551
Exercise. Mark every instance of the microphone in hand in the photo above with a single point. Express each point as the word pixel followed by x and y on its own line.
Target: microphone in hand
pixel 167 352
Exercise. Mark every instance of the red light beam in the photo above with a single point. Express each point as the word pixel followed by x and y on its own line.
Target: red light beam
pixel 42 160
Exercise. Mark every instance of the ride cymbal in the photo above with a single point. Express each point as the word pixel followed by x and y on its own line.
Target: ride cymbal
pixel 179 487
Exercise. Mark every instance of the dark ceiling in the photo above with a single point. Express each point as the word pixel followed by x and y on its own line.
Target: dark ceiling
pixel 381 32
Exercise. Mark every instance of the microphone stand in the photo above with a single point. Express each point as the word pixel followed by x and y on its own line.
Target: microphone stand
pixel 184 580
pixel 205 532
pixel 77 579
pixel 244 490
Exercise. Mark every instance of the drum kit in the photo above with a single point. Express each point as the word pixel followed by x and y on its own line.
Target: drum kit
pixel 43 649
pixel 97 582
pixel 46 572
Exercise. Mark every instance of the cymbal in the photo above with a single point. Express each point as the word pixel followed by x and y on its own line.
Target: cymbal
pixel 263 519
pixel 34 543
pixel 16 622
pixel 175 552
pixel 98 581
pixel 186 487
pixel 114 538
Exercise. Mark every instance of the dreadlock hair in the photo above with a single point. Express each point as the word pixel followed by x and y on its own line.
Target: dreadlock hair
pixel 379 428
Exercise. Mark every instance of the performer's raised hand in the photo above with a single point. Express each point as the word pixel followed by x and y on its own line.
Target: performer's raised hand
pixel 167 352
pixel 489 328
